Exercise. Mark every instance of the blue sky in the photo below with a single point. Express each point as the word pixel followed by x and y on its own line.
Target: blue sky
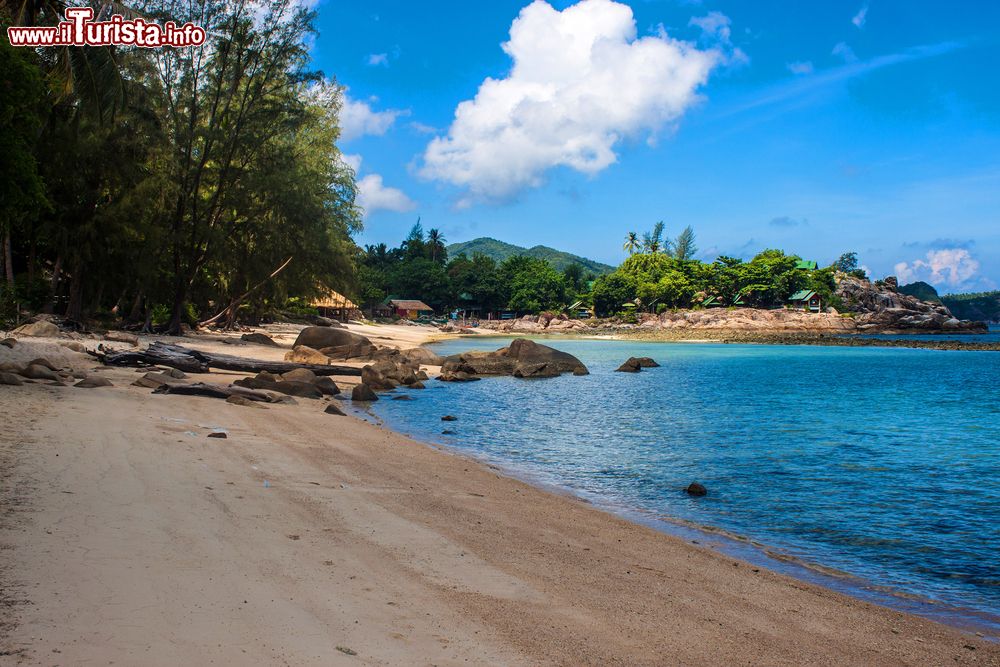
pixel 813 127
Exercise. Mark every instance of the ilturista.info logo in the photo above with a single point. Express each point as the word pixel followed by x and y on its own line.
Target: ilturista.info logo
pixel 79 29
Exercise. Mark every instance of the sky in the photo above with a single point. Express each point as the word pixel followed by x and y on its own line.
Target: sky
pixel 815 127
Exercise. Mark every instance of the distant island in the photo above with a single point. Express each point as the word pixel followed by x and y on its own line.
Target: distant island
pixel 499 251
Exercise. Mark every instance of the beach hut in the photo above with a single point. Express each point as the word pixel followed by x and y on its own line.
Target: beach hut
pixel 806 265
pixel 806 300
pixel 334 305
pixel 410 309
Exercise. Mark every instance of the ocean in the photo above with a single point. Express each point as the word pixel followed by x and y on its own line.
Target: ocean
pixel 879 463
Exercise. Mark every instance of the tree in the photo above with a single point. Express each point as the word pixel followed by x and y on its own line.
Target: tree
pixel 534 285
pixel 435 246
pixel 652 241
pixel 611 291
pixel 632 243
pixel 848 262
pixel 684 247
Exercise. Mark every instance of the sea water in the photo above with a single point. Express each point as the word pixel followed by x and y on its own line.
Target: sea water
pixel 883 463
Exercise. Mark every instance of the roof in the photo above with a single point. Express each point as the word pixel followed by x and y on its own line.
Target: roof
pixel 807 264
pixel 410 304
pixel 802 295
pixel 332 300
pixel 711 300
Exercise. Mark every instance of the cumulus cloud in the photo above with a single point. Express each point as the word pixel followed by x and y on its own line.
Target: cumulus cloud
pixel 378 59
pixel 357 118
pixel 373 194
pixel 952 267
pixel 716 30
pixel 844 51
pixel 805 67
pixel 860 18
pixel 581 82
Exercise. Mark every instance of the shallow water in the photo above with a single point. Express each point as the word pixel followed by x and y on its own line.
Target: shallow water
pixel 880 462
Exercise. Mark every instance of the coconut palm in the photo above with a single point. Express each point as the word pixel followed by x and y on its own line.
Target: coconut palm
pixel 435 244
pixel 632 243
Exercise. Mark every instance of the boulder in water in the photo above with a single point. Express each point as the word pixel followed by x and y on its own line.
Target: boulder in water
pixel 363 392
pixel 697 490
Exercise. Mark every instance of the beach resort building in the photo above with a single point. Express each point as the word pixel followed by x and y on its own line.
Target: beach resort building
pixel 805 300
pixel 410 309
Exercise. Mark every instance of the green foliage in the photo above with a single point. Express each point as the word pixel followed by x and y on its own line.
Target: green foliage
pixel 534 285
pixel 981 306
pixel 922 291
pixel 611 291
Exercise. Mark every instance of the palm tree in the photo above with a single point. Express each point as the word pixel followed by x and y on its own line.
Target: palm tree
pixel 435 242
pixel 632 244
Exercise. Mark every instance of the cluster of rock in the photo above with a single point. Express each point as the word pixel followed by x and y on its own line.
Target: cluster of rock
pixel 322 345
pixel 523 358
pixel 880 306
pixel 544 323
pixel 636 364
pixel 41 369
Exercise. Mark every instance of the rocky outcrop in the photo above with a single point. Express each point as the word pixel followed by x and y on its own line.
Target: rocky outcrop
pixel 537 324
pixel 880 306
pixel 522 358
pixel 636 364
pixel 42 328
pixel 335 343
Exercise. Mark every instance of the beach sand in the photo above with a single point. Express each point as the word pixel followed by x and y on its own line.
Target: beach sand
pixel 129 536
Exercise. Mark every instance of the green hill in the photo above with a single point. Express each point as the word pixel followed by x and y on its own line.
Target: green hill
pixel 500 251
pixel 984 306
pixel 922 291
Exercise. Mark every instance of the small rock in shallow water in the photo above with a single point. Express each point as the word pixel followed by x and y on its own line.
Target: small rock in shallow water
pixel 363 392
pixel 402 398
pixel 696 489
pixel 447 431
pixel 449 418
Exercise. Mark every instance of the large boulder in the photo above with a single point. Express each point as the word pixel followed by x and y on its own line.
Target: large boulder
pixel 321 337
pixel 42 328
pixel 522 358
pixel 635 364
pixel 288 387
pixel 259 339
pixel 364 393
pixel 423 356
pixel 303 354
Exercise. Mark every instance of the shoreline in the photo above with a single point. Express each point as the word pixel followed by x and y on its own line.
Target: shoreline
pixel 135 520
pixel 744 548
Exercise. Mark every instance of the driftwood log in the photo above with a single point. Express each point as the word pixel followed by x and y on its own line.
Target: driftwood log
pixel 216 391
pixel 195 361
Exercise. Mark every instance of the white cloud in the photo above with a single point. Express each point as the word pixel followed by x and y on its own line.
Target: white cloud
pixel 581 82
pixel 373 194
pixel 844 51
pixel 378 59
pixel 805 67
pixel 716 31
pixel 357 118
pixel 946 266
pixel 860 18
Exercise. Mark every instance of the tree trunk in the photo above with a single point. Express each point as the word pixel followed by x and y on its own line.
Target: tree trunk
pixel 74 309
pixel 54 285
pixel 8 258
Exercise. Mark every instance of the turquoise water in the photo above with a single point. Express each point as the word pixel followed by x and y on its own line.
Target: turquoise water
pixel 880 462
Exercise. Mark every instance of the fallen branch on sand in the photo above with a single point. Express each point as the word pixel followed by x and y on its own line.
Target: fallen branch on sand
pixel 194 361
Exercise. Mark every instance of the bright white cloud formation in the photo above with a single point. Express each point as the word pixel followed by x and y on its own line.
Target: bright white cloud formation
pixel 581 82
pixel 860 18
pixel 357 118
pixel 373 194
pixel 800 68
pixel 947 266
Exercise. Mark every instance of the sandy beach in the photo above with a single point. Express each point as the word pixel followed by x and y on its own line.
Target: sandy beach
pixel 129 536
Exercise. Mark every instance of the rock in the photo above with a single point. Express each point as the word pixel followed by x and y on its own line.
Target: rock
pixel 289 387
pixel 39 372
pixel 372 377
pixel 10 342
pixel 363 392
pixel 303 354
pixel 122 337
pixel 522 358
pixel 423 356
pixel 73 345
pixel 42 361
pixel 416 385
pixel 153 380
pixel 299 375
pixel 332 409
pixel 42 328
pixel 321 337
pixel 321 321
pixel 457 376
pixel 175 373
pixel 696 489
pixel 327 386
pixel 10 378
pixel 93 381
pixel 402 397
pixel 448 431
pixel 236 399
pixel 259 339
pixel 449 418
pixel 218 434
pixel 646 362
pixel 631 365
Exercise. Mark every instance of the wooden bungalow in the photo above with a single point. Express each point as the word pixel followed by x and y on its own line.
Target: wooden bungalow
pixel 806 300
pixel 410 309
pixel 334 305
pixel 807 265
